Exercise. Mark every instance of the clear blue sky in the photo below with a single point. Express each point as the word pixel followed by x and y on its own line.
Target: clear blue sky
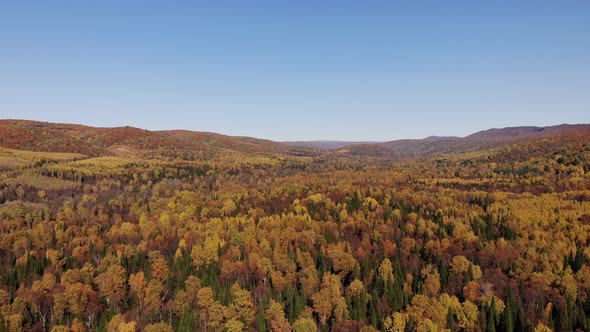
pixel 297 70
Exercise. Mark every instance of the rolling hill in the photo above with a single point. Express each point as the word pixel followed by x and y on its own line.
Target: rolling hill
pixel 479 141
pixel 93 141
pixel 510 133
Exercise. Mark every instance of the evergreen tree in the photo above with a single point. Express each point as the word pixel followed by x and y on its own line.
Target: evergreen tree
pixel 3 327
pixel 372 313
pixel 492 316
pixel 566 316
pixel 260 320
pixel 520 323
pixel 509 312
pixel 410 325
pixel 451 325
pixel 186 322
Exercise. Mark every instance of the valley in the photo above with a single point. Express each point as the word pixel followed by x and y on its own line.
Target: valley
pixel 124 229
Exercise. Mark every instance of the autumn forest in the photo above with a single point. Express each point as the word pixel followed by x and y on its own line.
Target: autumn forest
pixel 122 229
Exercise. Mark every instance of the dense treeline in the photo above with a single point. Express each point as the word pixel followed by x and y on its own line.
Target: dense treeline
pixel 494 241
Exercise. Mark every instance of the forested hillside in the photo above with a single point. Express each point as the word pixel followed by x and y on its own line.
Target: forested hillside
pixel 93 141
pixel 175 231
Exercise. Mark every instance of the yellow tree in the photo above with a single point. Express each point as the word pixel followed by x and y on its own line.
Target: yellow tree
pixel 234 325
pixel 467 316
pixel 205 301
pixel 355 288
pixel 431 280
pixel 207 253
pixel 242 305
pixel 328 302
pixel 137 284
pixel 158 327
pixel 216 315
pixel 395 322
pixel 159 268
pixel 460 265
pixel 119 324
pixel 342 261
pixel 192 286
pixel 276 315
pixel 153 298
pixel 425 309
pixel 112 285
pixel 304 325
pixel 386 270
pixel 42 296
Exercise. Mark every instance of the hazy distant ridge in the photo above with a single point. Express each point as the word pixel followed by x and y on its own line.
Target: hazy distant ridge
pixel 327 145
pixel 55 137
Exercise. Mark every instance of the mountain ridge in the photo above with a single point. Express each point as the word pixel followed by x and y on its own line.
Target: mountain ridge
pixel 94 141
pixel 481 140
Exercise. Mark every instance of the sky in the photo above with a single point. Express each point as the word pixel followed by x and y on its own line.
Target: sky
pixel 297 70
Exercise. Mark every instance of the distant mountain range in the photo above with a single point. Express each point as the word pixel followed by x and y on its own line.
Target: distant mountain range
pixel 326 145
pixel 450 144
pixel 478 141
pixel 527 132
pixel 93 141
